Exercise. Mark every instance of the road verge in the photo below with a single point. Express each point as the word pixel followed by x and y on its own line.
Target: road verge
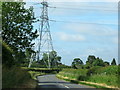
pixel 96 85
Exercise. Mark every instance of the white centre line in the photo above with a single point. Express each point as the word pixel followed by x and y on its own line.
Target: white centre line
pixel 66 86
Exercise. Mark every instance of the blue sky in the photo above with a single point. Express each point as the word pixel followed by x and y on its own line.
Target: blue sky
pixel 89 28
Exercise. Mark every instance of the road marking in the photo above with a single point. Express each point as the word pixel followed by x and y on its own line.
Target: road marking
pixel 66 86
pixel 40 84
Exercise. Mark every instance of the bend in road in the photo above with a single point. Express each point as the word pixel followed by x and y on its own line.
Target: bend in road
pixel 52 82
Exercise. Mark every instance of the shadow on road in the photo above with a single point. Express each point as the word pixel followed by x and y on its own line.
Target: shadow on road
pixel 56 82
pixel 50 87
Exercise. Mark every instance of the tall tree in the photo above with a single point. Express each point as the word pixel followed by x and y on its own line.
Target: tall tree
pixel 77 63
pixel 98 62
pixel 90 60
pixel 113 62
pixel 17 26
pixel 53 57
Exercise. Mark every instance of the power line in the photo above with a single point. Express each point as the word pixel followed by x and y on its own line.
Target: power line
pixel 82 22
pixel 78 22
pixel 81 8
pixel 74 5
pixel 100 8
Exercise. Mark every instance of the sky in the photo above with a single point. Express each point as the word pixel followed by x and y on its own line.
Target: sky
pixel 80 29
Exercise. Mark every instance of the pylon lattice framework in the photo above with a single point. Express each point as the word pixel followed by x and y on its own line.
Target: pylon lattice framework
pixel 45 41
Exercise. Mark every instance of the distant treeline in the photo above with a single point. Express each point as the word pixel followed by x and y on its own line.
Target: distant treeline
pixel 91 62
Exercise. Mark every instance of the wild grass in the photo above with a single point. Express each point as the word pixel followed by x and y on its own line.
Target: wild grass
pixel 110 80
pixel 34 74
pixel 103 75
pixel 73 73
pixel 16 78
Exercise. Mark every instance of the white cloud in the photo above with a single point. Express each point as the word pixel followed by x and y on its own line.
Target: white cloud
pixel 92 29
pixel 70 37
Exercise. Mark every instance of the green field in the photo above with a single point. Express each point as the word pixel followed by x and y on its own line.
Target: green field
pixel 108 76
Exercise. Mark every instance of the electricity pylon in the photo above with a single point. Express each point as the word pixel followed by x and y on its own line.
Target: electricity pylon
pixel 45 41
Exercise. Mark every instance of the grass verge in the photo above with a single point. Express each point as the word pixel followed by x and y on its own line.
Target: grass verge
pixel 96 85
pixel 34 74
pixel 16 77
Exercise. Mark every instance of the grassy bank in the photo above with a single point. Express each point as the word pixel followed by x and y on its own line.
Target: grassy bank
pixel 34 74
pixel 96 76
pixel 17 78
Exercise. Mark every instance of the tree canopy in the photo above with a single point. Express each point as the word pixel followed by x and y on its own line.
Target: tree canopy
pixel 77 63
pixel 17 27
pixel 113 62
pixel 54 59
pixel 93 61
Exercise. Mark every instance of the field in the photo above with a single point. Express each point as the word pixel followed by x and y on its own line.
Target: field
pixel 104 76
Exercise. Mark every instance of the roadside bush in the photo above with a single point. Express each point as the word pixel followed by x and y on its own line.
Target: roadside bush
pixel 82 78
pixel 7 58
pixel 93 70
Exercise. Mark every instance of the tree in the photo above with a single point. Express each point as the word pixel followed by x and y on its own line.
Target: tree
pixel 29 56
pixel 77 63
pixel 106 63
pixel 98 62
pixel 113 62
pixel 17 26
pixel 53 58
pixel 90 60
pixel 29 52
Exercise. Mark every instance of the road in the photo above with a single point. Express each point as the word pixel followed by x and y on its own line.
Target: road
pixel 52 82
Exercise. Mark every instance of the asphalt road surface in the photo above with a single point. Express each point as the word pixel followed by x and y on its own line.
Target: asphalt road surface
pixel 50 82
